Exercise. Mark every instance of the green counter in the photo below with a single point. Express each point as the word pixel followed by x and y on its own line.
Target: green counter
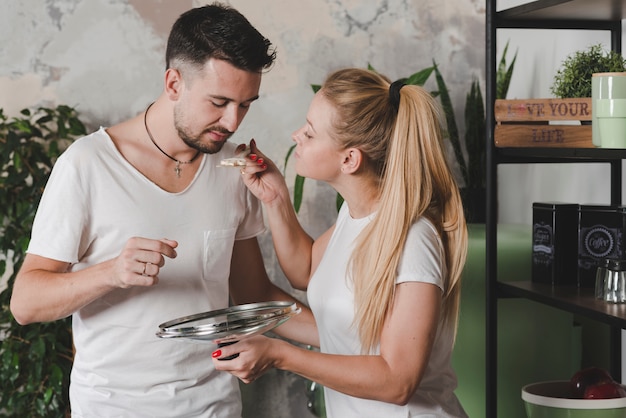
pixel 535 342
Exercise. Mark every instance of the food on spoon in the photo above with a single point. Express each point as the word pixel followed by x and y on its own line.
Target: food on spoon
pixel 239 160
pixel 233 162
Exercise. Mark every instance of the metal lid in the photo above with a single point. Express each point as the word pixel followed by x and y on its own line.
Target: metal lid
pixel 616 265
pixel 230 324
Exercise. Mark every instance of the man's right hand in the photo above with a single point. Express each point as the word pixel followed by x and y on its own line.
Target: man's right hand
pixel 44 290
pixel 140 261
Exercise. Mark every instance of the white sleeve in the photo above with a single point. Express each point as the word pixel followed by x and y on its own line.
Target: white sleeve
pixel 423 256
pixel 60 218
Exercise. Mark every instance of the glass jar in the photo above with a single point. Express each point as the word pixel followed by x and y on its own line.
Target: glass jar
pixel 615 281
pixel 601 271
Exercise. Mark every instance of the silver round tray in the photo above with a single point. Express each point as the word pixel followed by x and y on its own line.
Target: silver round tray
pixel 230 324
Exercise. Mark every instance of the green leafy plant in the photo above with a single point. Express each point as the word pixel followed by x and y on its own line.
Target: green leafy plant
pixel 475 122
pixel 573 78
pixel 475 137
pixel 35 360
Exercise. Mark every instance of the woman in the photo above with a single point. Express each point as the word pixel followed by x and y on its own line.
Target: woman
pixel 384 281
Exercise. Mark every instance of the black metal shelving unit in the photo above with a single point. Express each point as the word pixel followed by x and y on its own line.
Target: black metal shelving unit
pixel 603 15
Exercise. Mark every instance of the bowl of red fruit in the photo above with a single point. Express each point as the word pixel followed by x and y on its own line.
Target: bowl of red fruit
pixel 590 393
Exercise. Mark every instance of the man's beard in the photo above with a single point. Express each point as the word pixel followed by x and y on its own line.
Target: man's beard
pixel 195 141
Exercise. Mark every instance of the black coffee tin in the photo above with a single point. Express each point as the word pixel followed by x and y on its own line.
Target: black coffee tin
pixel 601 235
pixel 555 239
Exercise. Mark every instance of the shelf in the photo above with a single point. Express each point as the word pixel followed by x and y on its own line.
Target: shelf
pixel 568 298
pixel 583 10
pixel 557 154
pixel 604 15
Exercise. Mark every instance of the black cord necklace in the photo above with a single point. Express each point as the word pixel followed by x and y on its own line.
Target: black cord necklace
pixel 177 169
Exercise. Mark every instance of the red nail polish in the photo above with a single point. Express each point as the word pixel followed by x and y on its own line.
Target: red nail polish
pixel 264 166
pixel 217 353
pixel 260 161
pixel 253 157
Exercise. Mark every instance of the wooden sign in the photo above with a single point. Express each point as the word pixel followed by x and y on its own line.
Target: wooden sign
pixel 565 136
pixel 543 110
pixel 543 123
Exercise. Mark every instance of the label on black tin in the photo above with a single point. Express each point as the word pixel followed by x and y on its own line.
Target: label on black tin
pixel 598 241
pixel 543 244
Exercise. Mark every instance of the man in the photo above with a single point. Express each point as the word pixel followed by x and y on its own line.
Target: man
pixel 139 225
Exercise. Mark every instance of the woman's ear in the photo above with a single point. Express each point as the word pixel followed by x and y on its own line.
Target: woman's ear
pixel 352 160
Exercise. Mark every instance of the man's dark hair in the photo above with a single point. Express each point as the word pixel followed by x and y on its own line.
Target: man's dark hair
pixel 221 32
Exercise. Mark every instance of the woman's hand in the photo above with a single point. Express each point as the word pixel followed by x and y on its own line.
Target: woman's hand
pixel 293 245
pixel 262 176
pixel 255 357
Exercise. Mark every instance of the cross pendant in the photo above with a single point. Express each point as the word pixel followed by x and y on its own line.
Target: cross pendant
pixel 177 169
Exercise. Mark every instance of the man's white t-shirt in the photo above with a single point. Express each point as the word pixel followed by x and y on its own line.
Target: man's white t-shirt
pixel 93 203
pixel 331 298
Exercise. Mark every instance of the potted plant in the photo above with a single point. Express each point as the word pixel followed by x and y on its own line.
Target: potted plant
pixel 35 360
pixel 573 78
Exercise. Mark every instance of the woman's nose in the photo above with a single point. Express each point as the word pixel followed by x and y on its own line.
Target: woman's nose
pixel 296 135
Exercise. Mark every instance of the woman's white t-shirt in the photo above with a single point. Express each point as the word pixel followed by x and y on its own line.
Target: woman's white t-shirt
pixel 331 298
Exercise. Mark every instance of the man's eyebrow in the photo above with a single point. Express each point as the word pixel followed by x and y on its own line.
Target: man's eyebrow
pixel 228 99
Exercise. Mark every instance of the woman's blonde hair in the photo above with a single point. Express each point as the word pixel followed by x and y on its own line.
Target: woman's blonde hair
pixel 402 140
